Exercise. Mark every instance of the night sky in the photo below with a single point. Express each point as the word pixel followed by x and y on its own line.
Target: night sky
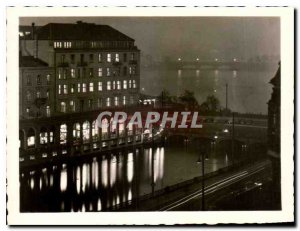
pixel 191 37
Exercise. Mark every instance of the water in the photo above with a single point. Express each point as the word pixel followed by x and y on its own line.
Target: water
pixel 248 91
pixel 113 180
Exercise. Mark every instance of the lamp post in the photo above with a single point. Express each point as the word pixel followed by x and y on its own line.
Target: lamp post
pixel 201 161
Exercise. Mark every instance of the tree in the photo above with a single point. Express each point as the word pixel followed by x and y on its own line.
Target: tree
pixel 212 104
pixel 188 99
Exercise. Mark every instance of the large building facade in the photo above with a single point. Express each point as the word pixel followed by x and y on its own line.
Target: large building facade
pixel 68 74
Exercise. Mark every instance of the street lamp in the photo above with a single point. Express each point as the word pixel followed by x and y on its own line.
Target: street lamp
pixel 201 161
pixel 179 59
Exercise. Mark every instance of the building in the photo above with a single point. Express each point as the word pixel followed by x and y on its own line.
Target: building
pixel 68 74
pixel 274 135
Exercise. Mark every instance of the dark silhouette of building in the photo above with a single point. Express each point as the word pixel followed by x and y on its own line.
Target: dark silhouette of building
pixel 274 134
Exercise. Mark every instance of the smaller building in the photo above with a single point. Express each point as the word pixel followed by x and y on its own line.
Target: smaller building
pixel 36 87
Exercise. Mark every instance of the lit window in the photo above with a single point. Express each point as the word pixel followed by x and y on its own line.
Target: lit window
pixel 90 103
pixel 132 56
pixel 47 94
pixel 59 73
pixel 99 58
pixel 38 94
pixel 73 88
pixel 48 111
pixel 51 137
pixel 63 107
pixel 108 71
pixel 27 110
pixel 108 87
pixel 118 85
pixel 95 130
pixel 100 73
pixel 125 84
pixel 130 70
pixel 116 101
pixel 124 100
pixel 59 89
pixel 78 87
pixel 99 86
pixel 48 77
pixel 73 73
pixel 91 88
pixel 76 131
pixel 84 87
pixel 129 84
pixel 72 105
pixel 91 72
pixel 65 89
pixel 114 85
pixel 65 73
pixel 133 83
pixel 107 102
pixel 86 131
pixel 30 141
pixel 43 137
pixel 63 134
pixel 117 58
pixel 108 58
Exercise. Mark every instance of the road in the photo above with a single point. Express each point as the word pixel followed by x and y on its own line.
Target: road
pixel 219 187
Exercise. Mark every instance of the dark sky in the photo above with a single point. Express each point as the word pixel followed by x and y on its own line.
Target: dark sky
pixel 191 37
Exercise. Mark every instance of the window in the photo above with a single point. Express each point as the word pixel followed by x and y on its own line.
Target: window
pixel 67 44
pixel 47 94
pixel 91 72
pixel 43 137
pixel 62 58
pixel 118 85
pixel 114 85
pixel 63 134
pixel 125 84
pixel 28 80
pixel 27 110
pixel 48 111
pixel 125 57
pixel 133 83
pixel 84 87
pixel 28 95
pixel 130 70
pixel 51 137
pixel 65 74
pixel 99 86
pixel 91 58
pixel 48 78
pixel 57 44
pixel 90 103
pixel 38 94
pixel 116 101
pixel 99 57
pixel 100 72
pixel 117 58
pixel 59 89
pixel 38 80
pixel 72 58
pixel 78 87
pixel 91 88
pixel 73 88
pixel 86 131
pixel 78 73
pixel 124 100
pixel 132 56
pixel 76 131
pixel 72 106
pixel 129 84
pixel 65 89
pixel 73 73
pixel 95 130
pixel 59 73
pixel 108 87
pixel 108 102
pixel 63 107
pixel 31 138
pixel 131 99
pixel 108 58
pixel 125 70
pixel 108 71
pixel 99 103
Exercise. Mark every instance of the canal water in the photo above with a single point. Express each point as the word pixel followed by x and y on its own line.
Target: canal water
pixel 248 90
pixel 112 181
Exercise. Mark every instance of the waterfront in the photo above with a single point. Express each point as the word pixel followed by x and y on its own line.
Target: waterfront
pixel 248 91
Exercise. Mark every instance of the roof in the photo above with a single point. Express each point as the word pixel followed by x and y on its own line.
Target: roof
pixel 80 31
pixel 30 61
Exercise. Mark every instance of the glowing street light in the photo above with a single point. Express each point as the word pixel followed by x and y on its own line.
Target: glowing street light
pixel 179 59
pixel 234 59
pixel 197 59
pixel 216 59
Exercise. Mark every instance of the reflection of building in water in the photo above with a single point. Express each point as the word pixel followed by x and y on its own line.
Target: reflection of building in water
pixel 68 74
pixel 100 183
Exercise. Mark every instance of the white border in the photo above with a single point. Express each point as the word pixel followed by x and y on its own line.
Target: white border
pixel 152 218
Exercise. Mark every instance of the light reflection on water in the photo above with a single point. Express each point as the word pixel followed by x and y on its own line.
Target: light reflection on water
pixel 98 183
